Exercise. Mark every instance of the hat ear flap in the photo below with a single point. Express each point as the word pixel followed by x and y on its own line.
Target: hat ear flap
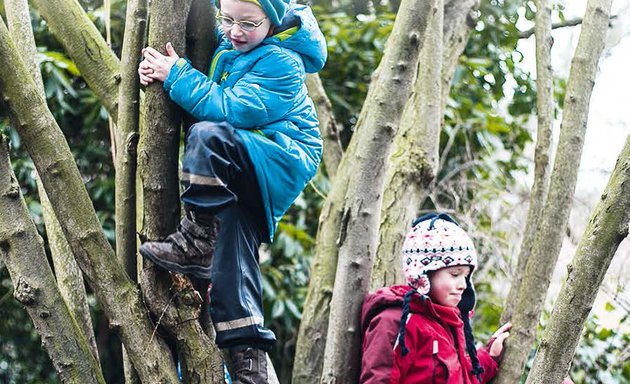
pixel 469 297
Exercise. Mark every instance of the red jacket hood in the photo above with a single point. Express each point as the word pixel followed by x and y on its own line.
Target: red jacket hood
pixel 394 296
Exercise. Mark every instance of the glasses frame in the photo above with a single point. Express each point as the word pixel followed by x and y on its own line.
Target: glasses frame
pixel 245 25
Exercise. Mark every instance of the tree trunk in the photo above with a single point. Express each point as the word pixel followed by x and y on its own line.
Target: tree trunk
pixel 544 107
pixel 69 276
pixel 413 164
pixel 126 155
pixel 178 309
pixel 22 251
pixel 46 145
pixel 550 233
pixel 607 227
pixel 378 123
pixel 328 126
pixel 98 64
pixel 314 324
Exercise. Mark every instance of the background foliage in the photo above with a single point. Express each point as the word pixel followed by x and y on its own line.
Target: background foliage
pixel 482 147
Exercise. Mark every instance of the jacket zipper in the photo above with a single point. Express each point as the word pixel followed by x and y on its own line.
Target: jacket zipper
pixel 435 352
pixel 213 66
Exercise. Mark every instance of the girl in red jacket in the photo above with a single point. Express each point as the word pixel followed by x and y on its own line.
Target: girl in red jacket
pixel 420 332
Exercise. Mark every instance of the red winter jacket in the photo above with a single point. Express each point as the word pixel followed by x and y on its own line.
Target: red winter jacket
pixel 433 357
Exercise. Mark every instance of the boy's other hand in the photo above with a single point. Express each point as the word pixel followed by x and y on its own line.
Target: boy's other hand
pixel 495 345
pixel 155 65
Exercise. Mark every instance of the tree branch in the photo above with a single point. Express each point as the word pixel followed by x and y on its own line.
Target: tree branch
pixel 550 232
pixel 22 251
pixel 51 155
pixel 563 24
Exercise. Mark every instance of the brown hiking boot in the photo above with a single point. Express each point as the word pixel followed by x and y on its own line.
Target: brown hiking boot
pixel 189 250
pixel 248 366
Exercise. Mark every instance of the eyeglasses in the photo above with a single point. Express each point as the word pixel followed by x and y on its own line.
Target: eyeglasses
pixel 246 25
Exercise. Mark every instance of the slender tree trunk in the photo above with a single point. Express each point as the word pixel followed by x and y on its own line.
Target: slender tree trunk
pixel 46 145
pixel 314 324
pixel 548 239
pixel 544 107
pixel 607 227
pixel 328 126
pixel 126 154
pixel 98 64
pixel 22 251
pixel 378 125
pixel 413 164
pixel 69 276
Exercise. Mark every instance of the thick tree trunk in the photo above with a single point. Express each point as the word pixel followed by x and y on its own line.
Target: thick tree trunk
pixel 544 107
pixel 46 145
pixel 178 311
pixel 98 64
pixel 22 251
pixel 378 124
pixel 69 276
pixel 328 126
pixel 414 162
pixel 550 233
pixel 607 227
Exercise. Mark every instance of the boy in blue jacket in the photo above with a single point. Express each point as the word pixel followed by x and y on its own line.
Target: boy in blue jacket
pixel 254 151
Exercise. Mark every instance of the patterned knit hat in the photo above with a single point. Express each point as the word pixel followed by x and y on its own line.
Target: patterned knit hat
pixel 436 241
pixel 274 9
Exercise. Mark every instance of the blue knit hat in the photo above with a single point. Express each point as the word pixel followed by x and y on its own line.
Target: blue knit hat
pixel 274 9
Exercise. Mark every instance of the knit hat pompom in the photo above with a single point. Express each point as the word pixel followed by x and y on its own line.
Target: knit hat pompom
pixel 436 241
pixel 274 9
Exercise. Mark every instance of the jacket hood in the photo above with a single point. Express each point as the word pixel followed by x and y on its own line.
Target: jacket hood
pixel 393 297
pixel 308 40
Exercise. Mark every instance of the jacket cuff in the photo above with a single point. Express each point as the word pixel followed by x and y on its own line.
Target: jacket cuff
pixel 180 65
pixel 489 365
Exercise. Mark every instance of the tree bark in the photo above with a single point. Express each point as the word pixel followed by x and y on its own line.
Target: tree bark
pixel 22 251
pixel 98 64
pixel 413 165
pixel 378 124
pixel 314 324
pixel 69 276
pixel 548 240
pixel 47 147
pixel 544 107
pixel 607 227
pixel 161 213
pixel 328 126
pixel 126 155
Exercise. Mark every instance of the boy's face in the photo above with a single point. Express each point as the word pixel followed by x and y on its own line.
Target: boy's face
pixel 448 284
pixel 244 41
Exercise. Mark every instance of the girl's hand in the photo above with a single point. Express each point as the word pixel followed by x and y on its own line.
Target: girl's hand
pixel 567 380
pixel 495 345
pixel 155 65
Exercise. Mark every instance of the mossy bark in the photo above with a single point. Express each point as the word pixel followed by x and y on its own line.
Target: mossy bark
pixel 328 125
pixel 22 251
pixel 607 227
pixel 69 276
pixel 548 239
pixel 544 108
pixel 47 147
pixel 361 204
pixel 98 64
pixel 413 165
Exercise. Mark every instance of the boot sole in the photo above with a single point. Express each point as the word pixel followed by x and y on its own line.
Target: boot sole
pixel 194 270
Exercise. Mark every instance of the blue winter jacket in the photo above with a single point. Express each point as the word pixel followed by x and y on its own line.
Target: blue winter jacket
pixel 262 94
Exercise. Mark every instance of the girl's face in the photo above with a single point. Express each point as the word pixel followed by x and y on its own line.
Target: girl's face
pixel 234 12
pixel 448 284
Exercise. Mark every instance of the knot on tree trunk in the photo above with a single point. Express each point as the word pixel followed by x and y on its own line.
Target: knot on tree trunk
pixel 24 292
